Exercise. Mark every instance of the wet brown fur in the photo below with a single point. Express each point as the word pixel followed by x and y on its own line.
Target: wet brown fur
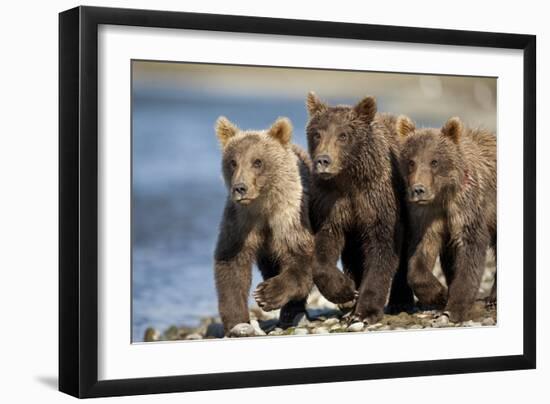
pixel 271 229
pixel 455 218
pixel 356 207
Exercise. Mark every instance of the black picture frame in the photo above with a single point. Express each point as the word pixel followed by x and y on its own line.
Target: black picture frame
pixel 78 200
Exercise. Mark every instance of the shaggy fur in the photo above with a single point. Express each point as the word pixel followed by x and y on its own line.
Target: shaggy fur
pixel 451 179
pixel 265 222
pixel 357 193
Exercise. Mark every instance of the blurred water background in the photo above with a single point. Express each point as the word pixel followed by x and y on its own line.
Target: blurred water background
pixel 178 194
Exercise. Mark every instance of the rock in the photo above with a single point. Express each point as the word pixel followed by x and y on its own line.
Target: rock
pixel 301 331
pixel 172 333
pixel 269 325
pixel 441 321
pixel 214 330
pixel 330 322
pixel 337 326
pixel 375 326
pixel 276 331
pixel 304 322
pixel 193 336
pixel 242 330
pixel 471 323
pixel 384 328
pixel 320 330
pixel 399 329
pixel 313 324
pixel 151 335
pixel 356 327
pixel 257 328
pixel 489 321
pixel 416 327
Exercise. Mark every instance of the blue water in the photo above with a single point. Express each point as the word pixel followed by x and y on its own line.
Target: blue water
pixel 178 198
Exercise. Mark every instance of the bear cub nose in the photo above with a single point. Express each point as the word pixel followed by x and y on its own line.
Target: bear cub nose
pixel 323 161
pixel 240 188
pixel 418 190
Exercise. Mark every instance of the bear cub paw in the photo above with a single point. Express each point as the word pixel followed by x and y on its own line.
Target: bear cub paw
pixel 273 293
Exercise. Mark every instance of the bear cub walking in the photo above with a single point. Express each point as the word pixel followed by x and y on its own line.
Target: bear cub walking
pixel 265 221
pixel 357 213
pixel 451 185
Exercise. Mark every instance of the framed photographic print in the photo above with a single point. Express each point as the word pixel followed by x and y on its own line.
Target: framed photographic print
pixel 241 194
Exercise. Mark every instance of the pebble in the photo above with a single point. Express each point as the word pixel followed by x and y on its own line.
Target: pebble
pixel 356 327
pixel 416 327
pixel 301 331
pixel 336 326
pixel 331 322
pixel 215 330
pixel 304 322
pixel 257 330
pixel 374 326
pixel 471 323
pixel 151 335
pixel 193 336
pixel 488 321
pixel 242 330
pixel 320 330
pixel 276 331
pixel 441 321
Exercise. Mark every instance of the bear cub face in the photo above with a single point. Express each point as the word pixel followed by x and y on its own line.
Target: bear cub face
pixel 429 160
pixel 252 159
pixel 330 134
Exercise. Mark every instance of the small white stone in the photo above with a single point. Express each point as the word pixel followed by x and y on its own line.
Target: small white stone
pixel 374 326
pixel 441 321
pixel 336 327
pixel 193 336
pixel 471 323
pixel 416 327
pixel 257 330
pixel 320 330
pixel 301 331
pixel 276 331
pixel 304 322
pixel 356 327
pixel 331 321
pixel 242 330
pixel 488 321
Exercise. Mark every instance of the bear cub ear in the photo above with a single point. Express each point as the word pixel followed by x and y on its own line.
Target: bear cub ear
pixel 225 130
pixel 314 104
pixel 281 131
pixel 453 129
pixel 404 126
pixel 366 108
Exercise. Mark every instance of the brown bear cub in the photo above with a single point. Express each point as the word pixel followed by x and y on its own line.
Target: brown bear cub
pixel 451 185
pixel 265 221
pixel 356 207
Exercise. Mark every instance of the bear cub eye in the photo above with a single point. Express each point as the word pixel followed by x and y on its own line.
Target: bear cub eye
pixel 342 136
pixel 316 136
pixel 257 163
pixel 434 163
pixel 233 164
pixel 411 164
